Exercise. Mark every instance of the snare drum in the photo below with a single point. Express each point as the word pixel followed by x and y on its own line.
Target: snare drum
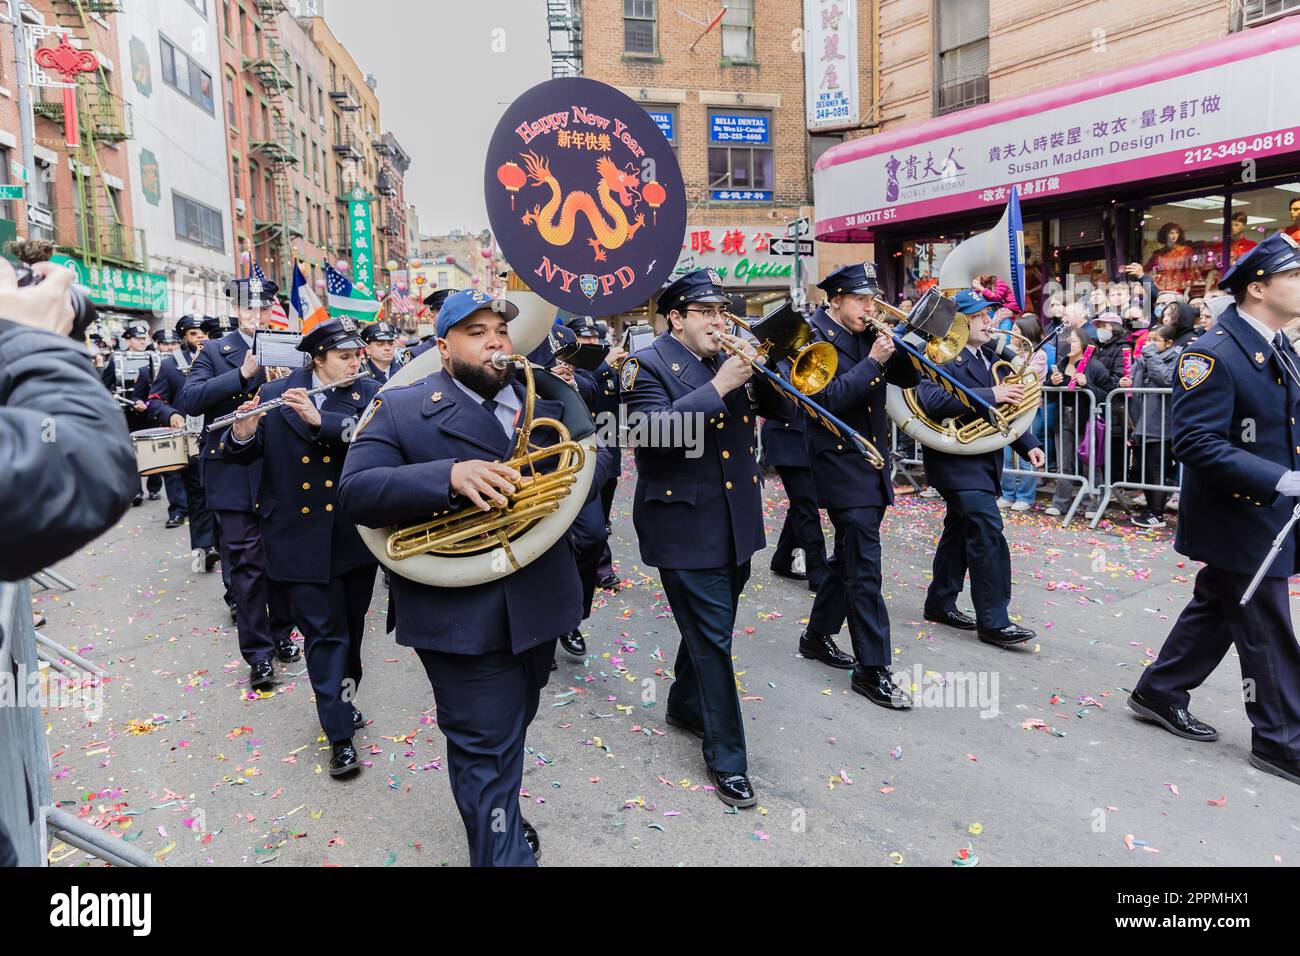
pixel 160 449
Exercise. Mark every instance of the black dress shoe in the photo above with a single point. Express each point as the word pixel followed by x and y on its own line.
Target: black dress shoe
pixel 287 651
pixel 1177 720
pixel 343 759
pixel 609 582
pixel 573 643
pixel 952 618
pixel 822 647
pixel 533 840
pixel 1008 636
pixel 358 721
pixel 137 501
pixel 174 522
pixel 791 574
pixel 681 723
pixel 877 686
pixel 261 675
pixel 1278 767
pixel 733 789
pixel 154 496
pixel 211 558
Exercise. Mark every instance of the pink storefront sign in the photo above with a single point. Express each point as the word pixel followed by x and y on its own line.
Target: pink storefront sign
pixel 1215 106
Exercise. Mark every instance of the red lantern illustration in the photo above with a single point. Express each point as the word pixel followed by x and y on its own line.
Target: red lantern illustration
pixel 512 177
pixel 654 194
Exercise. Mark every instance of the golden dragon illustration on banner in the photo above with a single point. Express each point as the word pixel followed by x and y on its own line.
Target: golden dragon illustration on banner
pixel 611 181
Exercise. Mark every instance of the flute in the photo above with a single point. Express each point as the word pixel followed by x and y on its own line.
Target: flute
pixel 227 420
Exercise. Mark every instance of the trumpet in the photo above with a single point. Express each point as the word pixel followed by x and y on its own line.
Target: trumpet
pixel 227 420
pixel 814 411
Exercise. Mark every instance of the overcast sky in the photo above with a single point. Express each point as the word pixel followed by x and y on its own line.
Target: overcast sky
pixel 442 87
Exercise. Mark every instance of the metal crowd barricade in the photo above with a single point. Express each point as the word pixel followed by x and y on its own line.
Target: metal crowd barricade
pixel 27 810
pixel 1064 462
pixel 1160 474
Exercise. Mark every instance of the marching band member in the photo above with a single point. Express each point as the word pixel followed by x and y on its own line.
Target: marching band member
pixel 605 400
pixel 225 375
pixel 381 349
pixel 487 649
pixel 166 341
pixel 785 448
pixel 1236 404
pixel 164 398
pixel 136 339
pixel 972 526
pixel 698 511
pixel 853 492
pixel 312 550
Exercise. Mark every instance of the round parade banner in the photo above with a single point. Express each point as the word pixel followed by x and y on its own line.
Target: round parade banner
pixel 585 197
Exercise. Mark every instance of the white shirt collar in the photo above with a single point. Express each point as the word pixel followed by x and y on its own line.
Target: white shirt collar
pixel 1267 333
pixel 687 347
pixel 248 339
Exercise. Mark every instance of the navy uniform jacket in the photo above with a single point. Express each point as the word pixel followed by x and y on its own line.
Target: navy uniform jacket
pixel 214 388
pixel 381 378
pixel 165 395
pixel 398 472
pixel 966 472
pixel 1235 433
pixel 784 444
pixel 704 511
pixel 856 395
pixel 306 537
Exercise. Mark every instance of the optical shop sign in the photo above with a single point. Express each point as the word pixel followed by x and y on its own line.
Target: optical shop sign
pixel 1117 128
pixel 739 254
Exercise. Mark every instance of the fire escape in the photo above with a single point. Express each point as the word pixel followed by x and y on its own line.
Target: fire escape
pixel 564 28
pixel 275 145
pixel 103 117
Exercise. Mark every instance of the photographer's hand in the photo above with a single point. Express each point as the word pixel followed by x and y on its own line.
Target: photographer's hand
pixel 43 305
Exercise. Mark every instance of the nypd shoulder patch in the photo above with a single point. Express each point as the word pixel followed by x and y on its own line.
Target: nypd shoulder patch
pixel 1193 369
pixel 368 414
pixel 628 376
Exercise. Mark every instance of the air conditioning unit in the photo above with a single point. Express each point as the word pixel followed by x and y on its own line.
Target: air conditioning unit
pixel 240 207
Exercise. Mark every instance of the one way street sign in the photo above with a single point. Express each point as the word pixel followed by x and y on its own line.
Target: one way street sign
pixel 791 247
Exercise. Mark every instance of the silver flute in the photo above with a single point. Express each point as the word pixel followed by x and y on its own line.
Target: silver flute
pixel 227 420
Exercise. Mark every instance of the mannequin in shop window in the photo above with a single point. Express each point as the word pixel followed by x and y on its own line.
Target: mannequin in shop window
pixel 1172 265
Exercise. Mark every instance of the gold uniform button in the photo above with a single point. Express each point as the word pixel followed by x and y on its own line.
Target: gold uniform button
pixel 719 424
pixel 1235 495
pixel 727 454
pixel 751 449
pixel 306 510
pixel 326 459
pixel 839 447
pixel 329 507
pixel 745 419
pixel 755 477
pixel 329 484
pixel 669 492
pixel 306 460
pixel 868 409
pixel 306 486
pixel 728 486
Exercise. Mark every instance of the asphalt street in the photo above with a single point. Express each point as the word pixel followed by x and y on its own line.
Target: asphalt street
pixel 1019 757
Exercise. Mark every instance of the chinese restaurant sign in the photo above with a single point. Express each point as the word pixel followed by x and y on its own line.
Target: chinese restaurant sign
pixel 830 52
pixel 120 288
pixel 1213 117
pixel 585 197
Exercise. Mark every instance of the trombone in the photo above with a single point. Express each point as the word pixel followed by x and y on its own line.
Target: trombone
pixel 821 368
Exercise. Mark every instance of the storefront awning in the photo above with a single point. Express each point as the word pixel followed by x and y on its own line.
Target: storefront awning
pixel 1214 105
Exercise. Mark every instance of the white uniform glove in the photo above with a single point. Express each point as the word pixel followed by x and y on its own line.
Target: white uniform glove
pixel 1289 484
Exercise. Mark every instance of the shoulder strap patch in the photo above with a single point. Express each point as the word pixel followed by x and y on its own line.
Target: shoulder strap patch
pixel 628 377
pixel 1193 369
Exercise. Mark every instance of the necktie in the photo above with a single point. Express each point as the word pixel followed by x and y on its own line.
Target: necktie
pixel 490 406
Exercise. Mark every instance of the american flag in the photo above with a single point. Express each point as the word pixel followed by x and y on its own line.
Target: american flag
pixel 279 318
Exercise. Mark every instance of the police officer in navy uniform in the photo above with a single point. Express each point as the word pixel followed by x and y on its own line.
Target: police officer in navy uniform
pixel 1235 433
pixel 605 402
pixel 312 549
pixel 698 506
pixel 439 444
pixel 164 410
pixel 433 302
pixel 166 341
pixel 854 493
pixel 381 351
pixel 225 375
pixel 785 449
pixel 972 526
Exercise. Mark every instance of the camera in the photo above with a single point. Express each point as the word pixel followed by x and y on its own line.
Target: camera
pixel 35 250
